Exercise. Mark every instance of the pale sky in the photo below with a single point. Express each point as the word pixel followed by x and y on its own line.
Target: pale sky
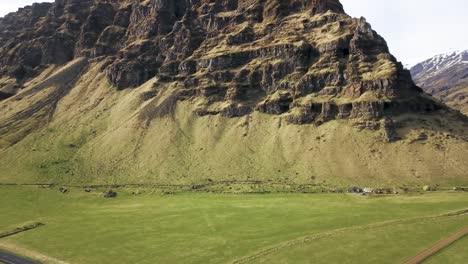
pixel 415 30
pixel 7 6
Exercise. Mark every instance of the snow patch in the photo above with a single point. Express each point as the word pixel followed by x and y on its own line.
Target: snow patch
pixel 443 62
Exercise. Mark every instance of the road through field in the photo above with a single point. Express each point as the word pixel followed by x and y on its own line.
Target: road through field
pixel 9 258
pixel 306 239
pixel 423 255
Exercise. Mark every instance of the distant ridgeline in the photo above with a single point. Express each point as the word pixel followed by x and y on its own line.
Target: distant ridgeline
pixel 180 91
pixel 446 78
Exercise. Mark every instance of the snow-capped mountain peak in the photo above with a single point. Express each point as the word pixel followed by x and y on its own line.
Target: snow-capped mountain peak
pixel 441 62
pixel 445 76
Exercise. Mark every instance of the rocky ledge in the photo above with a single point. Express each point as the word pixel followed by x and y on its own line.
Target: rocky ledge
pixel 304 59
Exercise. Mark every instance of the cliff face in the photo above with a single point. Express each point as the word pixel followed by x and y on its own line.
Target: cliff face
pixel 305 58
pixel 64 66
pixel 446 78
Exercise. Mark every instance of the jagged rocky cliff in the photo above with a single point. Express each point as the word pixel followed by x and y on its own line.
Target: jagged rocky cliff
pixel 277 56
pixel 67 64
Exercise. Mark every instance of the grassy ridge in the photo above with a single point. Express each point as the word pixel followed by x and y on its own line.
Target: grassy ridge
pixel 202 228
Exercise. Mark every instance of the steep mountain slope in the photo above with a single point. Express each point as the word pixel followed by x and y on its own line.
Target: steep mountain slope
pixel 183 92
pixel 446 78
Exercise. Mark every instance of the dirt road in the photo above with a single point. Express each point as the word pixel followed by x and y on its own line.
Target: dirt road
pixel 423 255
pixel 312 237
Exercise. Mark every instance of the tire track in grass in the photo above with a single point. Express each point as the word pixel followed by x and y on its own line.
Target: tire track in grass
pixel 20 229
pixel 309 238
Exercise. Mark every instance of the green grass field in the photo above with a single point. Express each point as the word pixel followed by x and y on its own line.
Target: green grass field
pixel 213 228
pixel 456 253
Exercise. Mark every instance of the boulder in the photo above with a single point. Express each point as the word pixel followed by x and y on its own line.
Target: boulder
pixel 109 194
pixel 428 188
pixel 355 190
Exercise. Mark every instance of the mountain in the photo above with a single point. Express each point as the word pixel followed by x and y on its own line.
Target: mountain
pixel 186 92
pixel 445 77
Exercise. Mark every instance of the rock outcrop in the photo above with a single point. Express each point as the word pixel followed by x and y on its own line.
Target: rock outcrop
pixel 307 60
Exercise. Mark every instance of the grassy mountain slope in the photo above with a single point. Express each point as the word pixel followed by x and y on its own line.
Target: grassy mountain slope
pixel 97 134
